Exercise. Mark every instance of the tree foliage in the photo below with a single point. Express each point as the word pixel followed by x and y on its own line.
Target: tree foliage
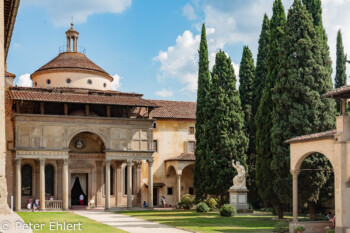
pixel 264 174
pixel 246 77
pixel 202 116
pixel 340 74
pixel 297 97
pixel 226 137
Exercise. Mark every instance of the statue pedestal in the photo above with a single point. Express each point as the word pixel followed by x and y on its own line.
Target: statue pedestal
pixel 238 199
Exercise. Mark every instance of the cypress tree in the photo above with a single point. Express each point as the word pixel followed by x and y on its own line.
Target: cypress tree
pixel 340 75
pixel 264 174
pixel 297 96
pixel 261 64
pixel 246 77
pixel 226 137
pixel 201 117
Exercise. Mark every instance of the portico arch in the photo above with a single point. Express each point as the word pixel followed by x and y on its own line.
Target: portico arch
pixel 71 135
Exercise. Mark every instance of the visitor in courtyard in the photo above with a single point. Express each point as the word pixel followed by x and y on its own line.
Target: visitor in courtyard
pixel 29 205
pixel 36 204
pixel 163 201
pixel 81 198
pixel 329 216
pixel 145 204
pixel 51 198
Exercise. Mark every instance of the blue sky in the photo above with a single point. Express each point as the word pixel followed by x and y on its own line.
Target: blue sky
pixel 150 47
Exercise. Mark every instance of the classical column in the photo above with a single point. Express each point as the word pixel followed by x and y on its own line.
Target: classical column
pixel 129 182
pixel 178 187
pixel 42 184
pixel 295 174
pixel 119 184
pixel 65 187
pixel 18 185
pixel 138 181
pixel 59 180
pixel 99 183
pixel 150 183
pixel 108 184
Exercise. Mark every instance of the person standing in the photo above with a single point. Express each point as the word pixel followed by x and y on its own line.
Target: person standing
pixel 81 198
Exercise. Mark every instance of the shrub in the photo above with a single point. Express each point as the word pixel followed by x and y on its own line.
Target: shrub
pixel 212 204
pixel 330 231
pixel 227 210
pixel 202 207
pixel 299 228
pixel 186 202
pixel 281 227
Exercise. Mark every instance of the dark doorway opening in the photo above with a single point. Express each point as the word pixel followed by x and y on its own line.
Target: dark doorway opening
pixel 77 190
pixel 155 196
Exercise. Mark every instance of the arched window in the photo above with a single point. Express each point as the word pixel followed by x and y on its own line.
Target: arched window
pixel 49 180
pixel 111 177
pixel 27 180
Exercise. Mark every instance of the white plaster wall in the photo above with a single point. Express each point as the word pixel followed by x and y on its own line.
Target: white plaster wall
pixel 78 80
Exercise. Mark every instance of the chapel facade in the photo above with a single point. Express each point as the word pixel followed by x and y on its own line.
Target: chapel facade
pixel 71 135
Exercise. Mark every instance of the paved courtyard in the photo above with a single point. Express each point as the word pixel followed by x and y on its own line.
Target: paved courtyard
pixel 127 223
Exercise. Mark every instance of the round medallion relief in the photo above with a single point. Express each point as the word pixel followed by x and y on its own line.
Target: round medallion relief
pixel 79 143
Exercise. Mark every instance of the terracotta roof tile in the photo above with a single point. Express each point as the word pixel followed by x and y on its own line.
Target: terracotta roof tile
pixel 314 136
pixel 71 61
pixel 8 74
pixel 183 157
pixel 341 92
pixel 175 109
pixel 82 96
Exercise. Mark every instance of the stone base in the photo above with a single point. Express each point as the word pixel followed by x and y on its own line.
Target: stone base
pixel 238 198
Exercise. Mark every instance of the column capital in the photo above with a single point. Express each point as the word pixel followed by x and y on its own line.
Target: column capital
pixel 295 173
pixel 138 164
pixel 59 163
pixel 150 163
pixel 108 162
pixel 42 161
pixel 18 161
pixel 99 163
pixel 129 162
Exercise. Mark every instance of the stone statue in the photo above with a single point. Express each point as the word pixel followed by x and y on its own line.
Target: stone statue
pixel 239 181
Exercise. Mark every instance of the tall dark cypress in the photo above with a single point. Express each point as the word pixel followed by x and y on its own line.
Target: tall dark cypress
pixel 226 139
pixel 340 74
pixel 297 96
pixel 264 174
pixel 246 77
pixel 202 117
pixel 261 64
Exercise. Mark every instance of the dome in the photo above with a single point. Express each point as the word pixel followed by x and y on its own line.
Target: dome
pixel 72 61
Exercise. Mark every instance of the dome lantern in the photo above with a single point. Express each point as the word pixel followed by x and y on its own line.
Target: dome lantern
pixel 72 39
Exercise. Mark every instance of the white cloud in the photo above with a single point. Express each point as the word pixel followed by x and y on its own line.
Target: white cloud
pixel 23 81
pixel 116 84
pixel 188 12
pixel 61 11
pixel 164 93
pixel 180 61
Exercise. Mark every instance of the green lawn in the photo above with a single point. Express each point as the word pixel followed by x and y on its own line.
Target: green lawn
pixel 208 222
pixel 87 225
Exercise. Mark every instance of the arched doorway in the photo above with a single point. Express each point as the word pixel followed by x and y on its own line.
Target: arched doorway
pixel 316 182
pixel 86 148
pixel 187 180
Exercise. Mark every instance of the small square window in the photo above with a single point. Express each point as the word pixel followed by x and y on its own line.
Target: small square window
pixel 170 190
pixel 154 125
pixel 191 145
pixel 190 190
pixel 155 145
pixel 191 130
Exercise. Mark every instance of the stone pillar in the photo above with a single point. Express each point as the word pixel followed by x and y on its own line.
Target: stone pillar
pixel 65 184
pixel 178 193
pixel 108 184
pixel 18 185
pixel 42 184
pixel 59 180
pixel 138 181
pixel 295 174
pixel 150 183
pixel 99 183
pixel 119 184
pixel 129 182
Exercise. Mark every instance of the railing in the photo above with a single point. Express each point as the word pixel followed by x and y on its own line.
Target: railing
pixel 63 48
pixel 54 204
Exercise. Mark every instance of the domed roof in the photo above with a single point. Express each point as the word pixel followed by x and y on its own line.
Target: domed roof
pixel 72 61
